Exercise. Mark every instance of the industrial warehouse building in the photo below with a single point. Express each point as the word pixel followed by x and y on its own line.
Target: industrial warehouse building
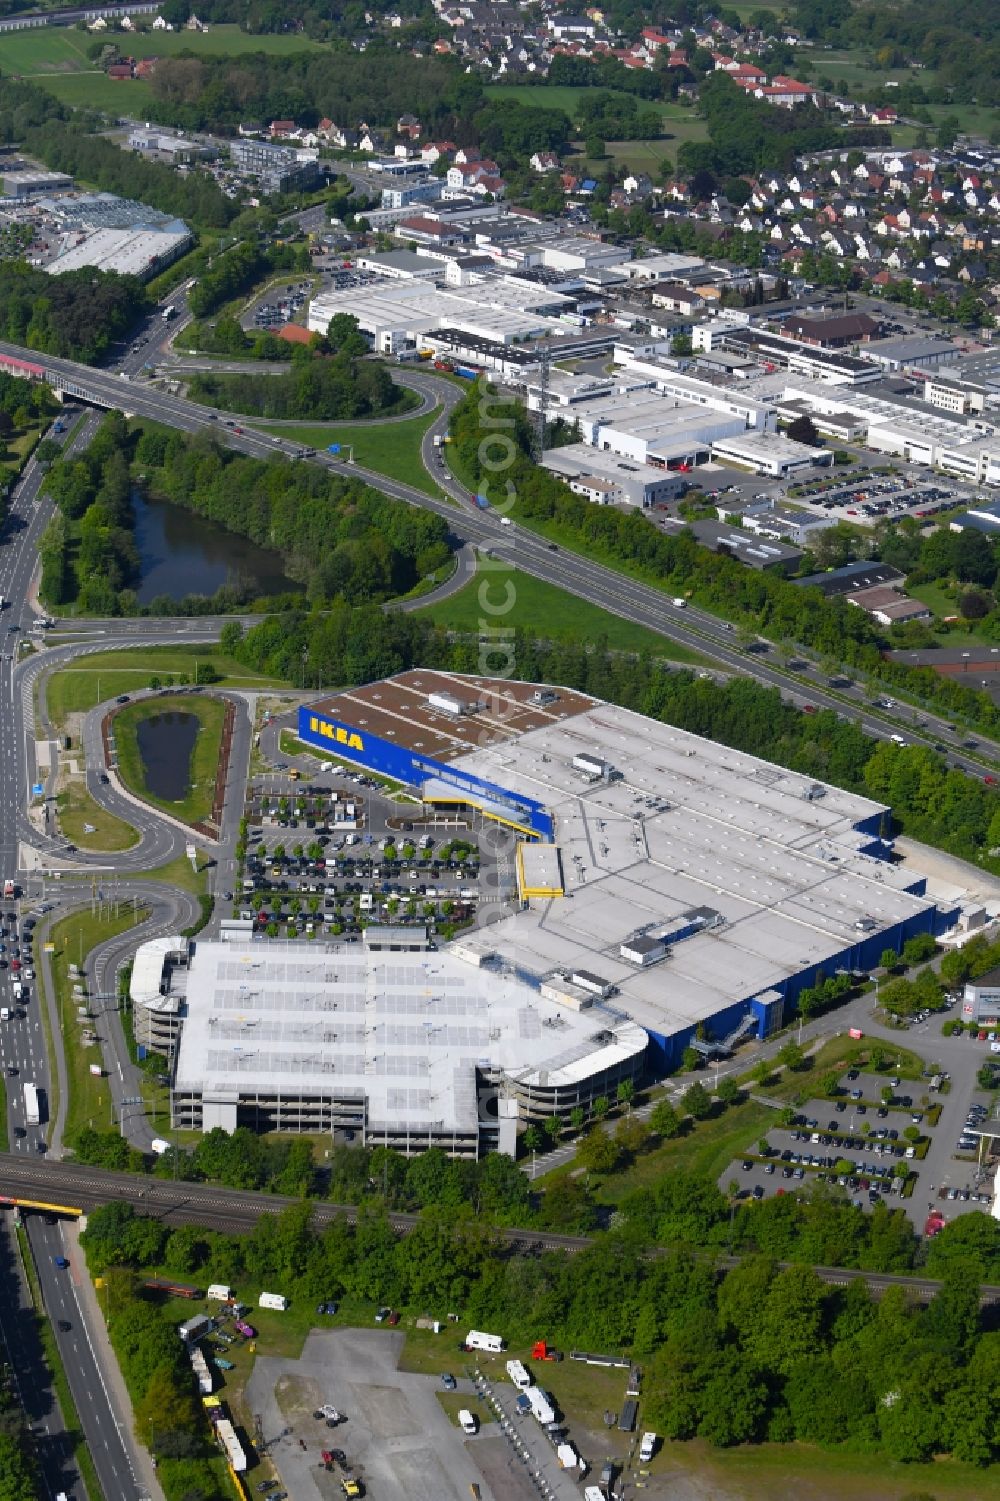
pixel 668 888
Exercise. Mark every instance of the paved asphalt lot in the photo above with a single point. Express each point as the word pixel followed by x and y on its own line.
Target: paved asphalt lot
pixel 397 1437
pixel 841 1135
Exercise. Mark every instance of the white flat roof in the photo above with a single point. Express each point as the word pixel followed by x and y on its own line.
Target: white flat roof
pixel 690 823
pixel 130 252
pixel 405 1030
pixel 497 304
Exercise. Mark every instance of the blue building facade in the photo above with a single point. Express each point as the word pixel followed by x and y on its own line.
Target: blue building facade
pixel 335 737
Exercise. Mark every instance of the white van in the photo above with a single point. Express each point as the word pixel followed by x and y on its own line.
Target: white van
pixel 466 1421
pixel 273 1300
pixel 477 1340
pixel 897 739
pixel 220 1292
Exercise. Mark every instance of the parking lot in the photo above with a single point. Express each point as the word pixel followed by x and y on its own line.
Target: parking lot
pixel 279 306
pixel 865 1140
pixel 325 860
pixel 882 498
pixel 397 1438
pixel 877 1131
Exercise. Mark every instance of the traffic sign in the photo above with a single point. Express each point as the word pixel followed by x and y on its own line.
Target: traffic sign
pixel 37 789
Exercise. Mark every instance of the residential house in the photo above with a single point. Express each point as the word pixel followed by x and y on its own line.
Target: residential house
pixel 544 161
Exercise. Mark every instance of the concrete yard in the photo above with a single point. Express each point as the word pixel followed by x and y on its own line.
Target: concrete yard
pixel 398 1439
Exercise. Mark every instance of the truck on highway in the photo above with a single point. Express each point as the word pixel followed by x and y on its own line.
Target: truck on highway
pixel 679 603
pixel 168 313
pixel 31 1111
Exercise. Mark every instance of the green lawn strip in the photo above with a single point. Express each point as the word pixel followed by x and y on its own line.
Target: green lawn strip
pixel 762 1472
pixel 64 51
pixel 57 1372
pixel 390 448
pixel 454 1402
pixel 4 1138
pixel 707 1147
pixel 210 712
pixel 290 745
pixel 93 679
pixel 106 833
pixel 180 874
pixel 98 92
pixel 19 448
pixel 74 937
pixel 546 612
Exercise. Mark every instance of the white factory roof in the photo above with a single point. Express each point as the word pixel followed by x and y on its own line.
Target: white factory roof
pixel 690 824
pixel 497 307
pixel 406 1030
pixel 130 252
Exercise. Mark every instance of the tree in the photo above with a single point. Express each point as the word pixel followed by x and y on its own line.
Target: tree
pixel 531 1139
pixel 727 1090
pixel 690 1060
pixel 791 1056
pixel 601 1106
pixel 625 1094
pixel 697 1101
pixel 577 1117
pixel 598 1151
pixel 889 960
pixel 664 1120
pixel 803 430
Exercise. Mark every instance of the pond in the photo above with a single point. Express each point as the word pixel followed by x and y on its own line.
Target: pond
pixel 165 744
pixel 181 553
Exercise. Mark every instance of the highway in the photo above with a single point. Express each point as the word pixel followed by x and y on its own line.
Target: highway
pixel 515 546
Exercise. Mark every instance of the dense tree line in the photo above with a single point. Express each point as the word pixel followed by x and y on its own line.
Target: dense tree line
pixel 340 539
pixel 377 86
pixel 77 316
pixel 317 387
pixel 65 147
pixel 88 551
pixel 963 47
pixel 19 1476
pixel 227 336
pixel 238 269
pixel 769 605
pixel 947 808
pixel 756 1353
pixel 747 135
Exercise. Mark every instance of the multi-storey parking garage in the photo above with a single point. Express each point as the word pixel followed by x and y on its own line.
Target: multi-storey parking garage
pixel 670 890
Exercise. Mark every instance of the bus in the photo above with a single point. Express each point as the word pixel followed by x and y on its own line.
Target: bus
pixel 31 1114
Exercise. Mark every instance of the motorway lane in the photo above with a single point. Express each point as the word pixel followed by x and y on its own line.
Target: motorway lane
pixel 102 1426
pixel 637 602
pixel 25 1355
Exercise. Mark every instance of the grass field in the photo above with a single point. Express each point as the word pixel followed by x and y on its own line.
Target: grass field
pixel 74 937
pixel 61 49
pixel 104 675
pixel 547 613
pixel 88 825
pixel 210 713
pixel 96 91
pixel 391 448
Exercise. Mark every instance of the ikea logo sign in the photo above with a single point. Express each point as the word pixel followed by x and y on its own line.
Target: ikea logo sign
pixel 336 733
